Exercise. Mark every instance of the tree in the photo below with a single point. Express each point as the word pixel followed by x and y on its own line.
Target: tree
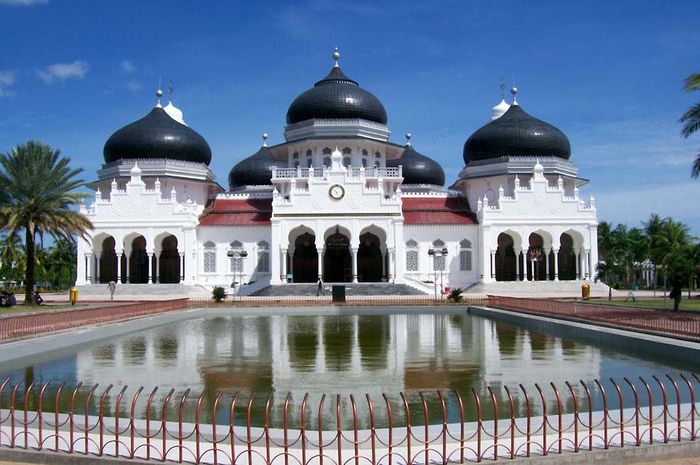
pixel 39 198
pixel 691 118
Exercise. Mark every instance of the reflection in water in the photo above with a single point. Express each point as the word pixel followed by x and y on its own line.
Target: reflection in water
pixel 358 355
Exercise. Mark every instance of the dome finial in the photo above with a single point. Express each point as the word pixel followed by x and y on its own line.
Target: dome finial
pixel 514 92
pixel 264 138
pixel 159 94
pixel 408 139
pixel 336 57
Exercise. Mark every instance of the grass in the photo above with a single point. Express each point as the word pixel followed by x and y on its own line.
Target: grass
pixel 658 304
pixel 21 308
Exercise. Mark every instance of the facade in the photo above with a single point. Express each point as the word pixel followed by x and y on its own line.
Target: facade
pixel 338 201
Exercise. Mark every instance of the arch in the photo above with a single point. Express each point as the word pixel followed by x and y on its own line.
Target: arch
pixel 370 259
pixel 305 261
pixel 138 261
pixel 327 162
pixel 169 261
pixel 465 255
pixel 566 258
pixel 263 258
pixel 236 259
pixel 535 261
pixel 108 260
pixel 506 258
pixel 347 162
pixel 309 162
pixel 347 151
pixel 411 255
pixel 439 260
pixel 337 261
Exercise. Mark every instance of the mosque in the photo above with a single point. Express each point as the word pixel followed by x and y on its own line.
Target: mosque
pixel 338 201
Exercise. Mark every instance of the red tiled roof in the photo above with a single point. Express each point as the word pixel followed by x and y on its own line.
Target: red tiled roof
pixel 437 210
pixel 237 212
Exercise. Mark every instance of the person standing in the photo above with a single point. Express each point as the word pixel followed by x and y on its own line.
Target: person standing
pixel 112 286
pixel 319 291
pixel 676 293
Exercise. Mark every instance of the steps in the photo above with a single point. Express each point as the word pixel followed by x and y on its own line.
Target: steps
pixel 351 289
pixel 539 289
pixel 143 291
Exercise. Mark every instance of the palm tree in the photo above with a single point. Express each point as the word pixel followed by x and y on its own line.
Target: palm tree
pixel 39 198
pixel 691 118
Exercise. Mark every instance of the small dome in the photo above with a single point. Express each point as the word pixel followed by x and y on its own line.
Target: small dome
pixel 252 171
pixel 516 133
pixel 175 113
pixel 418 168
pixel 157 135
pixel 336 97
pixel 499 110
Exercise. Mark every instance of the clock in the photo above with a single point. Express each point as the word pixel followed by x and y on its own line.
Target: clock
pixel 336 191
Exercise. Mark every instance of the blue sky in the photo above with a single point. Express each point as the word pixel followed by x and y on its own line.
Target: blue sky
pixel 609 74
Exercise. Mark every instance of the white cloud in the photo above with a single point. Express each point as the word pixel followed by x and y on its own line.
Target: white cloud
pixel 128 67
pixel 23 2
pixel 63 71
pixel 133 85
pixel 7 78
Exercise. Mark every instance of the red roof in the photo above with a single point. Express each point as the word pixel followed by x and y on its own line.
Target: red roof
pixel 437 210
pixel 237 212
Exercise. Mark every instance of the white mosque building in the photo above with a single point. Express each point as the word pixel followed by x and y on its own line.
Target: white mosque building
pixel 340 202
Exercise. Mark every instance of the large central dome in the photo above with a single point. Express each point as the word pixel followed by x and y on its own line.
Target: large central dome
pixel 336 97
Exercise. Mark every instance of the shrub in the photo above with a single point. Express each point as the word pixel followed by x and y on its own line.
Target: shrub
pixel 455 295
pixel 218 294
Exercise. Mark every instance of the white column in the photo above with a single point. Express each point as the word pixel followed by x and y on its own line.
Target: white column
pixel 97 266
pixel 579 273
pixel 320 263
pixel 391 276
pixel 517 265
pixel 354 264
pixel 119 266
pixel 182 267
pixel 492 263
pixel 525 260
pixel 556 264
pixel 89 275
pixel 150 268
pixel 283 257
pixel 385 258
pixel 587 257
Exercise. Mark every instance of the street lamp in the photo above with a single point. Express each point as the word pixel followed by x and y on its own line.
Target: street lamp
pixel 237 256
pixel 438 253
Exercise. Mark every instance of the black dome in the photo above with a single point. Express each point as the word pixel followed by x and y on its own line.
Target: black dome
pixel 252 171
pixel 418 169
pixel 336 96
pixel 516 134
pixel 157 135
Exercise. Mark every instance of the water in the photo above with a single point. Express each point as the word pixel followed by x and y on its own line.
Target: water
pixel 345 355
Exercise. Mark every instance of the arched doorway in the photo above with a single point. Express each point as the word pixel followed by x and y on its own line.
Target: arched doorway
pixel 536 259
pixel 369 259
pixel 505 259
pixel 337 261
pixel 169 261
pixel 108 261
pixel 138 261
pixel 566 258
pixel 305 263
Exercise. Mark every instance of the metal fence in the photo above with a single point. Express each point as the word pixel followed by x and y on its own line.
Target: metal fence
pixel 63 419
pixel 326 300
pixel 18 326
pixel 682 324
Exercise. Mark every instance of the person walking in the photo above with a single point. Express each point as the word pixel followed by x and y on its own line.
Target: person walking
pixel 112 286
pixel 319 291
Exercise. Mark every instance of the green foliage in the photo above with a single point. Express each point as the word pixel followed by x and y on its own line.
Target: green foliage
pixel 455 295
pixel 218 294
pixel 38 197
pixel 691 118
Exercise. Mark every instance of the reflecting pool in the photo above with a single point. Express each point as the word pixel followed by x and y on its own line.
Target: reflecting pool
pixel 358 355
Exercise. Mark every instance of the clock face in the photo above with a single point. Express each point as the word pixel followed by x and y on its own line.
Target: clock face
pixel 336 191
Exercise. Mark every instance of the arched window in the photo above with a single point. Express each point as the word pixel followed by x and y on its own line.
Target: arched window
pixel 296 155
pixel 236 260
pixel 364 152
pixel 377 155
pixel 377 164
pixel 346 162
pixel 309 153
pixel 411 255
pixel 309 162
pixel 347 151
pixel 327 162
pixel 327 151
pixel 364 163
pixel 296 164
pixel 263 257
pixel 439 259
pixel 465 255
pixel 209 257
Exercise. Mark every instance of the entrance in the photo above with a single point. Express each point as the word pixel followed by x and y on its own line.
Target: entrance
pixel 505 259
pixel 138 261
pixel 369 259
pixel 305 262
pixel 337 262
pixel 169 262
pixel 108 261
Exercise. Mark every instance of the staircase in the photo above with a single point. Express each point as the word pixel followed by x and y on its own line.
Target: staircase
pixel 143 291
pixel 539 289
pixel 351 289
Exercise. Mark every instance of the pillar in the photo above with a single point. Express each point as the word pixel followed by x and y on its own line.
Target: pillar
pixel 586 263
pixel 119 266
pixel 517 266
pixel 182 266
pixel 556 264
pixel 88 268
pixel 320 263
pixel 391 272
pixel 579 274
pixel 354 264
pixel 283 267
pixel 492 262
pixel 546 264
pixel 525 261
pixel 385 258
pixel 150 268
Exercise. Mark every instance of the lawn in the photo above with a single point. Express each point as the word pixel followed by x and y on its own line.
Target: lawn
pixel 687 305
pixel 20 308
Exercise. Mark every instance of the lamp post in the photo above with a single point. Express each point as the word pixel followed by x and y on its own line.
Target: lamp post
pixel 438 253
pixel 237 256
